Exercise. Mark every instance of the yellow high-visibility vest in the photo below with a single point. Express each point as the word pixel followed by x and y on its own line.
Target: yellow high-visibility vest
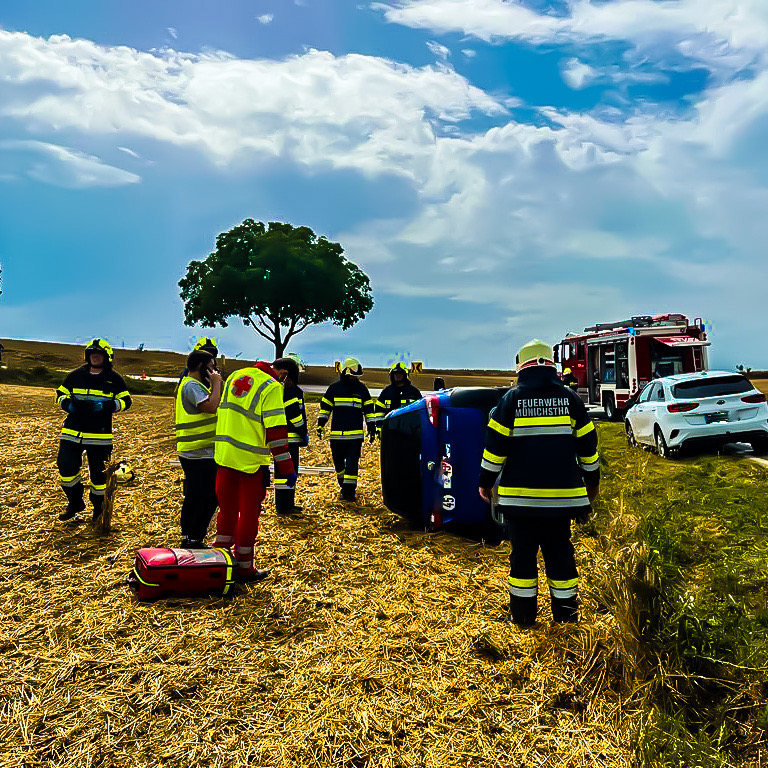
pixel 193 430
pixel 251 403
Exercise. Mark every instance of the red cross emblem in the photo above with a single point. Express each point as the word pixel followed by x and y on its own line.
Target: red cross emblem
pixel 242 386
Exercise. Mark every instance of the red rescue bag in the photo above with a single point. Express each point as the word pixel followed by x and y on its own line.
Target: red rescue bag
pixel 159 572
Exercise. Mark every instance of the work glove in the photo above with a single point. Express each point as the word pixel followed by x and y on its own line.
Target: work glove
pixel 304 441
pixel 290 480
pixel 82 407
pixel 68 405
pixel 107 406
pixel 320 432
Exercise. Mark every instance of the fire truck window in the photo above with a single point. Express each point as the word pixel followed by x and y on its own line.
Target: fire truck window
pixel 622 366
pixel 607 364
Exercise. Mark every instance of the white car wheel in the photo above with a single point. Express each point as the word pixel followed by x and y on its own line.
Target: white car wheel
pixel 661 446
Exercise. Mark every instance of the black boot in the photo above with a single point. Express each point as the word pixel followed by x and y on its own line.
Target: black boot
pixel 523 610
pixel 284 502
pixel 296 510
pixel 348 493
pixel 98 504
pixel 75 502
pixel 565 610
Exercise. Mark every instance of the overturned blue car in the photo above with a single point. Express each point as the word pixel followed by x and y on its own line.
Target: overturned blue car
pixel 430 462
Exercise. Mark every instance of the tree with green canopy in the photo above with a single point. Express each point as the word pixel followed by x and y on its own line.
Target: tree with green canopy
pixel 278 279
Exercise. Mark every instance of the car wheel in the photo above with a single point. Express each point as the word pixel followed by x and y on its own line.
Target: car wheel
pixel 630 434
pixel 760 446
pixel 610 408
pixel 661 446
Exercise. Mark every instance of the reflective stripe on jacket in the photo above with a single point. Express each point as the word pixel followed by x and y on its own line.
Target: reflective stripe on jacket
pixel 193 430
pixel 541 446
pixel 393 397
pixel 251 403
pixel 349 405
pixel 293 401
pixel 83 387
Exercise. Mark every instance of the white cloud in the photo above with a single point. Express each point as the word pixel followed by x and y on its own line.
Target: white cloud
pixel 173 33
pixel 61 167
pixel 441 51
pixel 719 33
pixel 550 226
pixel 470 53
pixel 130 152
pixel 577 74
pixel 265 18
pixel 350 111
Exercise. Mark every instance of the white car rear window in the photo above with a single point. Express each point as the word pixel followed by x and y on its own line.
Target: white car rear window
pixel 714 387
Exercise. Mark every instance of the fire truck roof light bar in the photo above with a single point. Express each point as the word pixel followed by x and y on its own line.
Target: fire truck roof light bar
pixel 641 321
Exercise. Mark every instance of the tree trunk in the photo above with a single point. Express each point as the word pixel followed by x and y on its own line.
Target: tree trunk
pixel 279 347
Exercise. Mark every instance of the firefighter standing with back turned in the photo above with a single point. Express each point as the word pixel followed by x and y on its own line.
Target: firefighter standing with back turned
pixel 351 404
pixel 251 432
pixel 89 395
pixel 287 371
pixel 543 446
pixel 398 393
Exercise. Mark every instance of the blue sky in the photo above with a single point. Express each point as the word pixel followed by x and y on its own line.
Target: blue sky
pixel 501 169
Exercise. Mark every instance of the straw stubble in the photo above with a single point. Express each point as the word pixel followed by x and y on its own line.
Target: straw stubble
pixel 369 644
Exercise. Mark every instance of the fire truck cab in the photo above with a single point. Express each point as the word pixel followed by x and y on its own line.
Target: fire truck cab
pixel 614 361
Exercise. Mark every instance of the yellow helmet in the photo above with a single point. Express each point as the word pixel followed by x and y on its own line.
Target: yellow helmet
pixel 399 366
pixel 99 345
pixel 352 366
pixel 207 344
pixel 535 352
pixel 566 371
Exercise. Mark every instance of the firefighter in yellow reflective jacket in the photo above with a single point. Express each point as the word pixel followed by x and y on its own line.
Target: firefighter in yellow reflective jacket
pixel 251 432
pixel 541 447
pixel 89 396
pixel 197 399
pixel 349 405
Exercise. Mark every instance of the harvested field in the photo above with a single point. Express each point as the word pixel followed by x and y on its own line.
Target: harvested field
pixel 27 355
pixel 369 645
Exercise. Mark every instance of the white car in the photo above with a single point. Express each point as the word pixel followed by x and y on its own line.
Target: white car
pixel 705 409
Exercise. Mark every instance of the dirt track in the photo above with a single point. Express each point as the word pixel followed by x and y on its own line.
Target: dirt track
pixel 368 645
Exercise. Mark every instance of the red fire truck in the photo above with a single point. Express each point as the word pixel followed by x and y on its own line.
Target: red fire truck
pixel 613 361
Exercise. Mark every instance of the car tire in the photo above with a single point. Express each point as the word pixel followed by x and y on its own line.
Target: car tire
pixel 609 404
pixel 661 446
pixel 631 439
pixel 760 447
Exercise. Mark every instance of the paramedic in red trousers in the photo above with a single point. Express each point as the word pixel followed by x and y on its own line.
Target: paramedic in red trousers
pixel 251 432
pixel 541 446
pixel 89 396
pixel 398 393
pixel 197 399
pixel 350 406
pixel 287 370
